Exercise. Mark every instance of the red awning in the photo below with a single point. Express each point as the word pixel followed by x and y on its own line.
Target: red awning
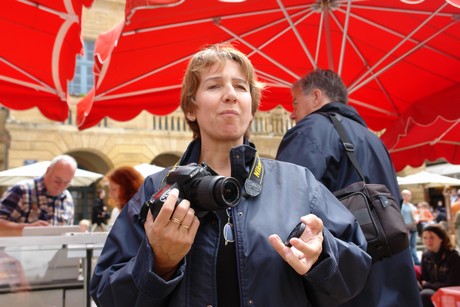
pixel 40 40
pixel 429 130
pixel 418 143
pixel 389 53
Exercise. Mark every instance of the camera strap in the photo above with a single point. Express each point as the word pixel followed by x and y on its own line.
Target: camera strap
pixel 253 184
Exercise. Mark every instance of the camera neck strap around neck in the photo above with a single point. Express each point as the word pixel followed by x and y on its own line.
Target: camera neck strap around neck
pixel 253 183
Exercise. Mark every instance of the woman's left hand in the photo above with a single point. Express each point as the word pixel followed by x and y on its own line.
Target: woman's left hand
pixel 305 250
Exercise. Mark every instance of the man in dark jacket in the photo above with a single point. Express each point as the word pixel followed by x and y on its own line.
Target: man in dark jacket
pixel 315 144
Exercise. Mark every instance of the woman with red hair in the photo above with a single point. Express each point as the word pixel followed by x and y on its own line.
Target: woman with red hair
pixel 124 182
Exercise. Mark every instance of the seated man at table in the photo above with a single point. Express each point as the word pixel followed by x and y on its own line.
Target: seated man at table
pixel 440 262
pixel 43 201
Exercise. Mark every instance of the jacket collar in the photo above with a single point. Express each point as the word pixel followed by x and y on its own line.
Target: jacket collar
pixel 342 109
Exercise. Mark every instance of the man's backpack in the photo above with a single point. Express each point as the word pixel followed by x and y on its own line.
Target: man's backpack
pixel 373 206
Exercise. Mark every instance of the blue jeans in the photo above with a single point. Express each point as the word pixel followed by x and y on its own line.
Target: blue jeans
pixel 413 246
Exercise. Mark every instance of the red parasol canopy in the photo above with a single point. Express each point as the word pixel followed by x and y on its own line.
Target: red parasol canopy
pixel 39 43
pixel 417 137
pixel 389 53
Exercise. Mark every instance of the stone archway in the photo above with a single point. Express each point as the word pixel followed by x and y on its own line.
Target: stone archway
pixel 91 161
pixel 166 159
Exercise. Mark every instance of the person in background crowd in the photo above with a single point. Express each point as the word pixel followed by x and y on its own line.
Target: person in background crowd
pixel 314 143
pixel 100 215
pixel 231 255
pixel 453 194
pixel 409 213
pixel 85 225
pixel 425 217
pixel 440 262
pixel 42 201
pixel 124 182
pixel 455 207
pixel 440 213
pixel 457 229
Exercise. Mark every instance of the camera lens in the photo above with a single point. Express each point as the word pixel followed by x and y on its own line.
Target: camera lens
pixel 229 191
pixel 212 193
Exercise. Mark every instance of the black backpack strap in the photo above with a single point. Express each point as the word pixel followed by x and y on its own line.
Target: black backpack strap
pixel 347 145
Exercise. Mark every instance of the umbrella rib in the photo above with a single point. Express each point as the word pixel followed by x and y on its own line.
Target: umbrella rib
pixel 398 10
pixel 70 15
pixel 396 61
pixel 135 93
pixel 29 85
pixel 147 7
pixel 327 30
pixel 356 83
pixel 344 38
pixel 318 41
pixel 56 55
pixel 44 87
pixel 273 78
pixel 372 107
pixel 296 33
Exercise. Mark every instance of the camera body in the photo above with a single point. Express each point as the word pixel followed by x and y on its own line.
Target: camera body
pixel 200 185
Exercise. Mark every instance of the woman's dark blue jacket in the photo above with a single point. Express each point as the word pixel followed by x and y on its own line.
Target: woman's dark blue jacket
pixel 124 276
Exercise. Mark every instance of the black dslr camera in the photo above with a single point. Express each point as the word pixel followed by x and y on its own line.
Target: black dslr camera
pixel 199 184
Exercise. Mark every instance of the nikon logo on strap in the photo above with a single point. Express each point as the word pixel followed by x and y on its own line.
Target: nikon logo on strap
pixel 258 168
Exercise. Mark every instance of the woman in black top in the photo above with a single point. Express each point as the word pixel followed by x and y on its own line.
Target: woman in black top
pixel 440 262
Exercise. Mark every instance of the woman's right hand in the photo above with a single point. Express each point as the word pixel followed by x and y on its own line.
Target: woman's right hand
pixel 171 234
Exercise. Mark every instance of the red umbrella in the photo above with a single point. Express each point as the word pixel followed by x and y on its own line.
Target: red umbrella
pixel 40 40
pixel 390 53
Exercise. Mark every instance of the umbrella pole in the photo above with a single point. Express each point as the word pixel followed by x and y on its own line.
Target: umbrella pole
pixel 448 213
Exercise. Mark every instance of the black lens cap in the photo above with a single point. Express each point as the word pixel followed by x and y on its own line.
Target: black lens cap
pixel 295 233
